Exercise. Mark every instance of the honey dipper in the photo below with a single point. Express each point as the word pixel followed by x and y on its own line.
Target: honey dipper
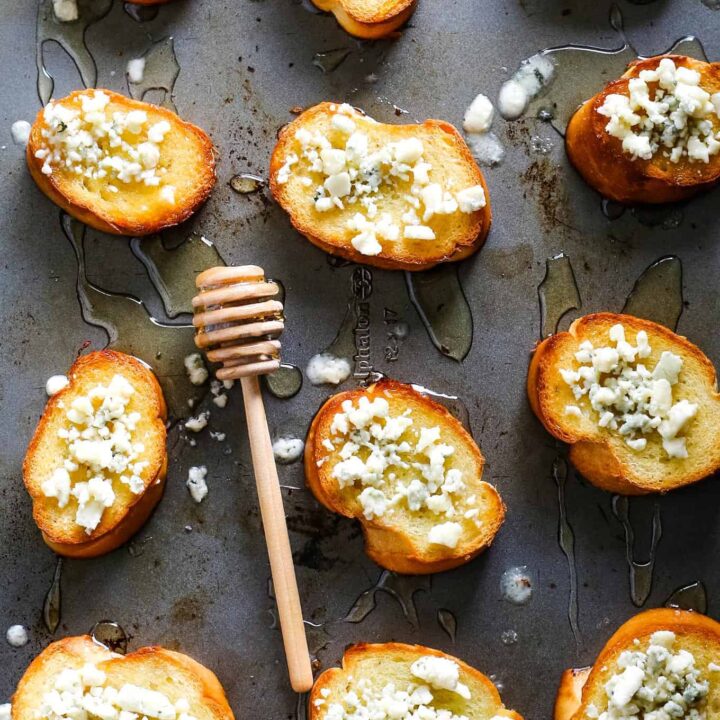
pixel 237 322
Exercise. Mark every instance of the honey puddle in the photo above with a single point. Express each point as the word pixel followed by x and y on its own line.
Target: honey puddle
pixel 641 573
pixel 52 606
pixel 448 622
pixel 141 13
pixel 558 293
pixel 111 635
pixel 443 308
pixel 689 597
pixel 132 329
pixel 400 587
pixel 172 270
pixel 70 36
pixel 566 540
pixel 160 74
pixel 658 294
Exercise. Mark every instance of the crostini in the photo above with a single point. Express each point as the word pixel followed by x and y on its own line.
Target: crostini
pixel 119 165
pixel 402 197
pixel 369 19
pixel 79 678
pixel 408 471
pixel 652 136
pixel 637 403
pixel 95 467
pixel 660 664
pixel 400 681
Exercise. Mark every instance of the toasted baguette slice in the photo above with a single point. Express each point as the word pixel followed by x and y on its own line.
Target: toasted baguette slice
pixel 171 673
pixel 369 19
pixel 399 538
pixel 601 454
pixel 186 165
pixel 47 451
pixel 569 695
pixel 695 633
pixel 377 665
pixel 599 157
pixel 452 167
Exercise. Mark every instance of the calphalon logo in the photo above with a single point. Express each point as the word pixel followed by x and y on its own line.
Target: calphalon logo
pixel 362 290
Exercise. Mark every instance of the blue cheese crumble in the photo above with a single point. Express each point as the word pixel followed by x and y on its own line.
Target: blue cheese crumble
pixel 99 445
pixel 86 138
pixel 659 683
pixel 665 110
pixel 84 692
pixel 627 396
pixel 415 700
pixel 357 173
pixel 376 447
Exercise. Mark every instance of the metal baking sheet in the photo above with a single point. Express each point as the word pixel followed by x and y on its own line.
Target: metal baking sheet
pixel 242 66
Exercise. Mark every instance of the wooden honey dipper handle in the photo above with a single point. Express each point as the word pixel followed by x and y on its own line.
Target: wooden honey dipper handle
pixel 276 536
pixel 237 324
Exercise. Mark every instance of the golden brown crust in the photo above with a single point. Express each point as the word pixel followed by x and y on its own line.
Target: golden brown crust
pixel 130 511
pixel 599 157
pixel 369 20
pixel 206 695
pixel 387 543
pixel 600 455
pixel 187 151
pixel 569 692
pixel 393 651
pixel 702 631
pixel 468 234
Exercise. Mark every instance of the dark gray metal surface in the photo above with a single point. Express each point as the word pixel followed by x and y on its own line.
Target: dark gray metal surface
pixel 243 65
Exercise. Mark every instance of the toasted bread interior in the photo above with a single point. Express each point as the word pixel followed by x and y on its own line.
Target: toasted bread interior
pixel 406 678
pixel 152 682
pixel 397 196
pixel 606 455
pixel 409 471
pixel 653 135
pixel 658 657
pixel 98 451
pixel 118 164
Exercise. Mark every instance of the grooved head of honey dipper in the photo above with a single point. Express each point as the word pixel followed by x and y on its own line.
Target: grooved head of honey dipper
pixel 237 320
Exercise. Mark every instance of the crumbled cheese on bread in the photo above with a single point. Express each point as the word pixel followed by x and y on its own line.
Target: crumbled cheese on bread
pixel 374 446
pixel 441 673
pixel 659 683
pixel 665 111
pixel 85 693
pixel 89 140
pixel 99 446
pixel 416 701
pixel 56 383
pixel 349 171
pixel 629 397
